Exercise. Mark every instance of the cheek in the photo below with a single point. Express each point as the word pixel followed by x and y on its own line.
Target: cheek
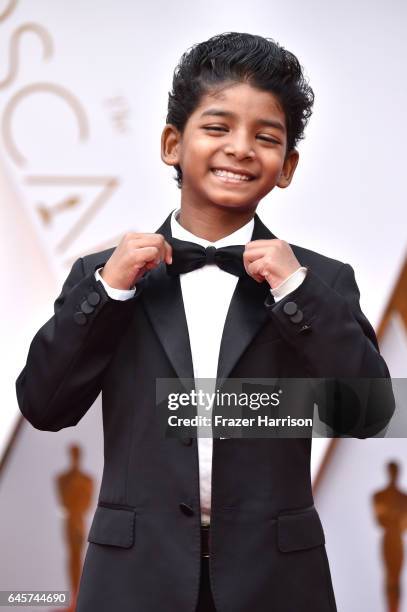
pixel 198 155
pixel 273 166
pixel 204 147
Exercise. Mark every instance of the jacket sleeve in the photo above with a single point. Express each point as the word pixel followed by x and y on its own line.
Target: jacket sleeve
pixel 327 327
pixel 70 352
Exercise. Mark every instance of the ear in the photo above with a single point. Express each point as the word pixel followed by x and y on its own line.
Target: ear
pixel 288 170
pixel 170 139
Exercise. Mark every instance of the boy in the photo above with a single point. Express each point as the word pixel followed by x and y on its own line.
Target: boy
pixel 200 523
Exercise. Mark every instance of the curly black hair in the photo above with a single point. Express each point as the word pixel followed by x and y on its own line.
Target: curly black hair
pixel 240 57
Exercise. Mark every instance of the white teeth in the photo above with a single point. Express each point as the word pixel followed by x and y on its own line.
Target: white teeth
pixel 241 177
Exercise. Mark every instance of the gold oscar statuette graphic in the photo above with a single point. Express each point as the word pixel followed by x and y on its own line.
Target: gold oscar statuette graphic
pixel 390 508
pixel 75 491
pixel 73 190
pixel 106 185
pixel 47 214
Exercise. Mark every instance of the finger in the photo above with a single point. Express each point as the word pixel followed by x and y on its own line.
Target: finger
pixel 148 240
pixel 253 254
pixel 168 252
pixel 141 271
pixel 255 269
pixel 159 240
pixel 139 240
pixel 164 247
pixel 146 255
pixel 253 244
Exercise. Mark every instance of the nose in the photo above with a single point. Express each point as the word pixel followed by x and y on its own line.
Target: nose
pixel 239 145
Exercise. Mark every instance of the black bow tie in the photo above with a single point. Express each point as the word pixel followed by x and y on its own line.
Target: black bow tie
pixel 188 256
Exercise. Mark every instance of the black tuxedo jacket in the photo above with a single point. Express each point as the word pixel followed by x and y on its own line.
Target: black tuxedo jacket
pixel 268 546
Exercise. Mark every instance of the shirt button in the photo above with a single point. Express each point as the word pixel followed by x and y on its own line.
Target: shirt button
pixel 290 308
pixel 186 509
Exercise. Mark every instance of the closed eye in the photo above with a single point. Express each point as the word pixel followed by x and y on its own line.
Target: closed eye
pixel 214 127
pixel 222 129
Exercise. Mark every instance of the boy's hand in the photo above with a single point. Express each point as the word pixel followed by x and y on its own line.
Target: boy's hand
pixel 133 256
pixel 270 260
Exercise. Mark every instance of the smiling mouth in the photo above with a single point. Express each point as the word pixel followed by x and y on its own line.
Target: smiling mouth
pixel 230 177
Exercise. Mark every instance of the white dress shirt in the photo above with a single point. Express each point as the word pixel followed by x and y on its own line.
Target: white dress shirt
pixel 206 294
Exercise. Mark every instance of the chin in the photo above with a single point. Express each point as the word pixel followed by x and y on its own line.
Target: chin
pixel 227 204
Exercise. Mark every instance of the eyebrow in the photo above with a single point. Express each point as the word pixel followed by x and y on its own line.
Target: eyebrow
pixel 222 113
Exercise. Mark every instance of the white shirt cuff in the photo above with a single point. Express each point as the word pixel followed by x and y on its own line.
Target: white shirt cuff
pixel 115 294
pixel 291 282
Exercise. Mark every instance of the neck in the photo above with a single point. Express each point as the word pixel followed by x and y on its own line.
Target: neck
pixel 212 224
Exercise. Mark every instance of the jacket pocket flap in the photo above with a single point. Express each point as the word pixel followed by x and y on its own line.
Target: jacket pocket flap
pixel 113 526
pixel 299 530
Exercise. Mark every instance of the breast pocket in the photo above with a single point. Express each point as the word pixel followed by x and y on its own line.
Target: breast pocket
pixel 113 527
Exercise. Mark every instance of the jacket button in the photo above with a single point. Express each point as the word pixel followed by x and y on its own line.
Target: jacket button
pixel 86 307
pixel 186 441
pixel 290 308
pixel 298 317
pixel 80 318
pixel 186 509
pixel 93 298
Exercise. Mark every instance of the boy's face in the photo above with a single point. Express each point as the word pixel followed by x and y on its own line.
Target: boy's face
pixel 236 139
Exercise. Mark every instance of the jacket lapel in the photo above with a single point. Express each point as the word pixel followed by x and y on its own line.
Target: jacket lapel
pixel 162 299
pixel 246 313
